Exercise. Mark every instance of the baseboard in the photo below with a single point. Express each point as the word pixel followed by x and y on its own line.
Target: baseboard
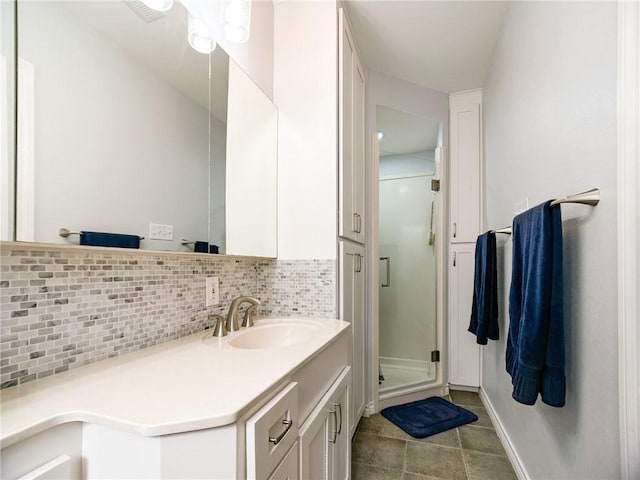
pixel 464 388
pixel 369 409
pixel 518 467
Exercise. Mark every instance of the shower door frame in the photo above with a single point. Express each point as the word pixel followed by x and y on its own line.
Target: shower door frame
pixel 438 384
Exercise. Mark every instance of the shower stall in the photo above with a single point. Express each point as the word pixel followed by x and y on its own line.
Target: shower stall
pixel 409 148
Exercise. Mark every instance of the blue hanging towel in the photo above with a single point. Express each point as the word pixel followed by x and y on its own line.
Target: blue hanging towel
pixel 484 312
pixel 535 347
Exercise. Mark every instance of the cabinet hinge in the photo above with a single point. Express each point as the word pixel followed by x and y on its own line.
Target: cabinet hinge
pixel 435 356
pixel 435 185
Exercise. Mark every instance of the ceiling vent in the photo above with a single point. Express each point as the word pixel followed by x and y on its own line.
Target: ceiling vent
pixel 145 13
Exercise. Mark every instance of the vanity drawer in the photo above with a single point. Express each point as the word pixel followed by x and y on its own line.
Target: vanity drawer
pixel 289 469
pixel 271 432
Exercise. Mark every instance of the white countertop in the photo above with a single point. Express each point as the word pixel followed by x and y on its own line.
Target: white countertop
pixel 187 384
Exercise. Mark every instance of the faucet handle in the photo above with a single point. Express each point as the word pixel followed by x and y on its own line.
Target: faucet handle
pixel 248 316
pixel 219 329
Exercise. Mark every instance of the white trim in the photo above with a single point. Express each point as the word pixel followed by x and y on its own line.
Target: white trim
pixel 516 463
pixel 374 271
pixel 25 168
pixel 629 235
pixel 6 169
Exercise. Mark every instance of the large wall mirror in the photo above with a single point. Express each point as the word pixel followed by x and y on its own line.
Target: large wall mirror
pixel 124 128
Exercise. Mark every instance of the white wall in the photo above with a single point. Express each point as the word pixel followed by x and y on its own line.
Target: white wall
pixel 217 185
pixel 550 130
pixel 305 91
pixel 116 148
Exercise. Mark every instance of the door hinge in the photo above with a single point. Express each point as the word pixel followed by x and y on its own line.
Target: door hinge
pixel 435 356
pixel 435 185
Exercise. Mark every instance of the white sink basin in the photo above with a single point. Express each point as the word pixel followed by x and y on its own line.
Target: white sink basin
pixel 273 335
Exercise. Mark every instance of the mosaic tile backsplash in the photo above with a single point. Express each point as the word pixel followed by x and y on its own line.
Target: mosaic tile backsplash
pixel 62 308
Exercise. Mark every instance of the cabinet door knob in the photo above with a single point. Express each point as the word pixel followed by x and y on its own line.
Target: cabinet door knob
pixel 455 255
pixel 278 439
pixel 335 422
pixel 455 229
pixel 339 405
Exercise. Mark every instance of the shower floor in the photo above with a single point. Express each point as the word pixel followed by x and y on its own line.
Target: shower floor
pixel 399 373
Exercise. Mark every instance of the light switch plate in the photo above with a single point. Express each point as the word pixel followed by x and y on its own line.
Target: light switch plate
pixel 157 231
pixel 213 291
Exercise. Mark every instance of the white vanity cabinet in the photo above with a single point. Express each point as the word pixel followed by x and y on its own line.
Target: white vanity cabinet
pixel 464 352
pixel 271 434
pixel 352 310
pixel 465 141
pixel 465 222
pixel 351 101
pixel 53 454
pixel 325 437
pixel 158 432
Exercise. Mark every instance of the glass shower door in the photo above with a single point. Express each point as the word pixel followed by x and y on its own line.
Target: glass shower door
pixel 408 282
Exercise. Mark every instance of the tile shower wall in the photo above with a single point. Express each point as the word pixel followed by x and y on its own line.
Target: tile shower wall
pixel 62 308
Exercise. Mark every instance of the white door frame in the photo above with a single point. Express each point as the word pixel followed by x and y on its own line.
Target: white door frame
pixel 629 235
pixel 373 311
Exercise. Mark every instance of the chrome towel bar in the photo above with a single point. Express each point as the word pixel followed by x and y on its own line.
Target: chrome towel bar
pixel 590 197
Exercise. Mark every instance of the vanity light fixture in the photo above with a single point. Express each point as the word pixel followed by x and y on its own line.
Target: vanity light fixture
pixel 199 36
pixel 159 5
pixel 236 16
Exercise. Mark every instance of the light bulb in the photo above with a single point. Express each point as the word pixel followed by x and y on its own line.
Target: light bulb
pixel 237 20
pixel 236 34
pixel 235 14
pixel 199 36
pixel 159 5
pixel 380 135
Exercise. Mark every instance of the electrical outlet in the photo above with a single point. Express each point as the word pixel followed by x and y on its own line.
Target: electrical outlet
pixel 213 291
pixel 157 231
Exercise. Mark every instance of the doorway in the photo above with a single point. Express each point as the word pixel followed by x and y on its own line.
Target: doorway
pixel 408 207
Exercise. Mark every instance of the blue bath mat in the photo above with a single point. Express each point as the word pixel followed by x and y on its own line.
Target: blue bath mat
pixel 429 416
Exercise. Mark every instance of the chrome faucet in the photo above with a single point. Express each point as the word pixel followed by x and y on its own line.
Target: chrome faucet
pixel 232 316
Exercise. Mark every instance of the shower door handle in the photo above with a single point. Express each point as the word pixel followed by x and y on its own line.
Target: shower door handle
pixel 388 282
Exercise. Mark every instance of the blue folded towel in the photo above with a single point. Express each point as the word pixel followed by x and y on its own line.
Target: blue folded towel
pixel 535 348
pixel 484 312
pixel 102 239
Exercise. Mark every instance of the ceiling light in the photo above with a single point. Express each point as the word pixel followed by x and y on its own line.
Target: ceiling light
pixel 236 16
pixel 199 35
pixel 158 5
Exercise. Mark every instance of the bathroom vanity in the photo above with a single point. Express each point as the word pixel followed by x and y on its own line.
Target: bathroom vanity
pixel 271 401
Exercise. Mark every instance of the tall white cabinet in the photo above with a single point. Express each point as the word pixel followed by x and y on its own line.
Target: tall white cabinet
pixel 351 101
pixel 351 206
pixel 465 138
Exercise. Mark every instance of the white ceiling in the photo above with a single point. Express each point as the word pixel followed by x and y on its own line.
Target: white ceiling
pixel 442 45
pixel 404 132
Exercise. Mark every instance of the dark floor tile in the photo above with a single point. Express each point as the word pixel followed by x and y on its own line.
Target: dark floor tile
pixel 448 438
pixel 379 425
pixel 488 467
pixel 460 397
pixel 483 416
pixel 481 440
pixel 434 460
pixel 363 471
pixel 383 452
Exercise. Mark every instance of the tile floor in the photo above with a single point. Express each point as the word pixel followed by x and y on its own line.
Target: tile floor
pixel 382 451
